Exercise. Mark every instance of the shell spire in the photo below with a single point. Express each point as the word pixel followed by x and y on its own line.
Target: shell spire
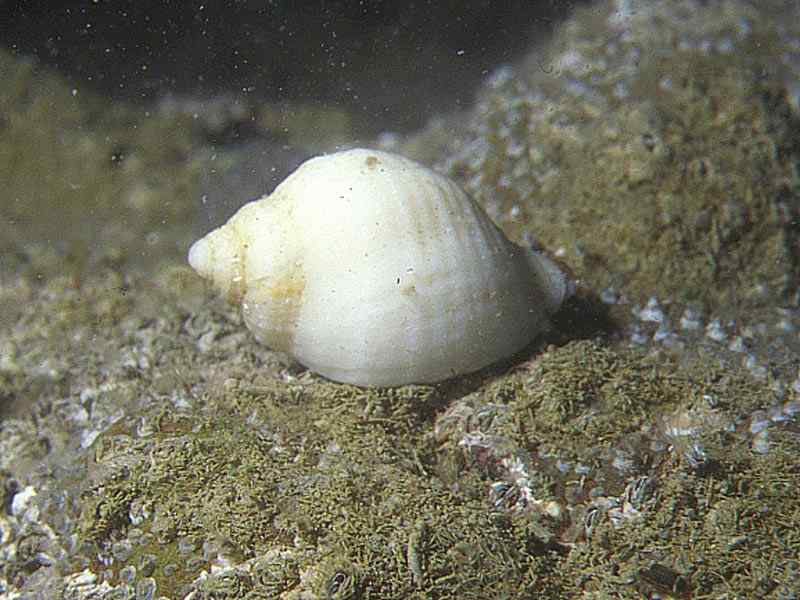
pixel 217 257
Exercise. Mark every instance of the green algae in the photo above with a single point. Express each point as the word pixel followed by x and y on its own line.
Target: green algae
pixel 351 508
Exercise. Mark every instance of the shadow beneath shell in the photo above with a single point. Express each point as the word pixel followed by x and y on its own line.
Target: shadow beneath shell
pixel 584 316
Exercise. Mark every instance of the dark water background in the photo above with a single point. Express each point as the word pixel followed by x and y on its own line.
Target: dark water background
pixel 392 62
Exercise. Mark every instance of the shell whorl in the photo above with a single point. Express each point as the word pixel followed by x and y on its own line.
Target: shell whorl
pixel 218 258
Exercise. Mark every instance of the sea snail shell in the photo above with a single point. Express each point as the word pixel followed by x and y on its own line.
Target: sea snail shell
pixel 372 269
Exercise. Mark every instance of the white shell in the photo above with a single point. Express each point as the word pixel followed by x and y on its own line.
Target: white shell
pixel 372 269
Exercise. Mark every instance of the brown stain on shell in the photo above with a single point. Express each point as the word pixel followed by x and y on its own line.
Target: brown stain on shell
pixel 278 302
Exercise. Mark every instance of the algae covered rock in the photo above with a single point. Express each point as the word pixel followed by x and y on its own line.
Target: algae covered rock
pixel 654 147
pixel 343 507
pixel 586 456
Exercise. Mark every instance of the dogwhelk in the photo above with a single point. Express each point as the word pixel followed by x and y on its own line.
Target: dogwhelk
pixel 372 269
